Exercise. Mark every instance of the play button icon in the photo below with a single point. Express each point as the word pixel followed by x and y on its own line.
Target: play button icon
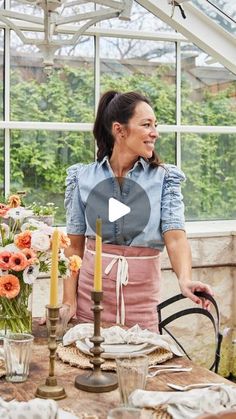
pixel 116 210
pixel 123 206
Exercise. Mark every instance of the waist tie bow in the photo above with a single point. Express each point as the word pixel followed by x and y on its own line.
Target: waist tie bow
pixel 122 279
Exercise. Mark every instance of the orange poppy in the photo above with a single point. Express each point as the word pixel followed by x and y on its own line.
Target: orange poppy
pixel 5 260
pixel 23 239
pixel 64 240
pixel 18 262
pixel 14 201
pixel 3 210
pixel 30 256
pixel 75 263
pixel 9 286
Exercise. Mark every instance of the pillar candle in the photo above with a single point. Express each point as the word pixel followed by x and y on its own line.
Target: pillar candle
pixel 98 257
pixel 54 269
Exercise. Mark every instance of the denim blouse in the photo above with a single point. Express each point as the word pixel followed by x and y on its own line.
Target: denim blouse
pixel 161 184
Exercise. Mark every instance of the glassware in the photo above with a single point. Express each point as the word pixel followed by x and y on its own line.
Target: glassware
pixel 132 374
pixel 17 354
pixel 16 313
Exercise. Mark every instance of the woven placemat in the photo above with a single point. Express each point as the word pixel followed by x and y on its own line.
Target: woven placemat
pixel 158 413
pixel 73 356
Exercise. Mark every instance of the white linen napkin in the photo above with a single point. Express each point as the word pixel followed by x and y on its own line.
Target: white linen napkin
pixel 117 335
pixel 189 404
pixel 35 408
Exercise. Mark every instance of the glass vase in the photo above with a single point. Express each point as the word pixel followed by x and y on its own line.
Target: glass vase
pixel 16 313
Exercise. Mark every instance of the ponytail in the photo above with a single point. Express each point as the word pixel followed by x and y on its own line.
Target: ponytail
pixel 101 129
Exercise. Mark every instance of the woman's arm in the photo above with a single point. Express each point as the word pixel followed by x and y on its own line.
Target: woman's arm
pixel 70 284
pixel 179 252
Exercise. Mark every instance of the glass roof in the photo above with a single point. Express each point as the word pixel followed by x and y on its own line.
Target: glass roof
pixel 141 20
pixel 223 12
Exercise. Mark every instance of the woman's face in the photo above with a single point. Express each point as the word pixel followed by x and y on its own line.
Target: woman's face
pixel 141 134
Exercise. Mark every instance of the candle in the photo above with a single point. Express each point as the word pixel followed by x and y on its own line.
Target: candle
pixel 98 257
pixel 54 269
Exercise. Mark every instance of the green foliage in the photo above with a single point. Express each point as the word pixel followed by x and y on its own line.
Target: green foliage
pixel 39 159
pixel 156 87
pixel 48 209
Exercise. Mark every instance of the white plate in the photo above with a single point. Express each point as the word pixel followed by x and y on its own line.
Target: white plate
pixel 115 350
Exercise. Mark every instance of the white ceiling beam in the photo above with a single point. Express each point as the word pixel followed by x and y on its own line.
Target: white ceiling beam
pixel 106 32
pixel 199 29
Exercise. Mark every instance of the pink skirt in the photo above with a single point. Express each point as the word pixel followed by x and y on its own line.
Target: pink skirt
pixel 130 284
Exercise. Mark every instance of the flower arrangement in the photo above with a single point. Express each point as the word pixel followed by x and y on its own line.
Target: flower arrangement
pixel 25 252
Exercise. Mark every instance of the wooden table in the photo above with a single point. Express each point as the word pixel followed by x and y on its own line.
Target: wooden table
pixel 80 401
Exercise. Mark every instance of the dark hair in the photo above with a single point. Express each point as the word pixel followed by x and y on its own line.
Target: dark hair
pixel 116 107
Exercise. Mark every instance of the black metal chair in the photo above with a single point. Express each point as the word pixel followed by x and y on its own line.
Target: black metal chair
pixel 215 320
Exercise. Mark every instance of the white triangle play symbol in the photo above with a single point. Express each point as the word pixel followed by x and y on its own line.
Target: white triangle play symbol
pixel 116 209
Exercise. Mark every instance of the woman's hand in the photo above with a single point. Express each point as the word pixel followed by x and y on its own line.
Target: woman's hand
pixel 188 288
pixel 72 308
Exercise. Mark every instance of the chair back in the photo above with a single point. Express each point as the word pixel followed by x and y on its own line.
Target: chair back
pixel 215 320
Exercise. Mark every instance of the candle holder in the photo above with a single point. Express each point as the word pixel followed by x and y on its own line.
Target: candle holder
pixel 97 381
pixel 50 390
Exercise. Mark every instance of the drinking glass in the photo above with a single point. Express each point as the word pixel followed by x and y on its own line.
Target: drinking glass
pixel 132 374
pixel 17 353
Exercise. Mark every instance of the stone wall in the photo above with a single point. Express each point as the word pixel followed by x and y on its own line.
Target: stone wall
pixel 214 261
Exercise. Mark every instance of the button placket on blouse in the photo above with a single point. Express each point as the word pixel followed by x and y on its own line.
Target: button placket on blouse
pixel 117 195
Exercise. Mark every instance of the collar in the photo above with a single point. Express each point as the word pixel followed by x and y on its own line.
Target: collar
pixel 141 161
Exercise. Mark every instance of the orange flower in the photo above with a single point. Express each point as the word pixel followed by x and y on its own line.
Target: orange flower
pixel 23 239
pixel 30 256
pixel 3 210
pixel 18 262
pixel 75 263
pixel 14 201
pixel 5 260
pixel 9 286
pixel 64 240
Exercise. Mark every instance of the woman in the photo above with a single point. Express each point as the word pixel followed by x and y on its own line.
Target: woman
pixel 125 133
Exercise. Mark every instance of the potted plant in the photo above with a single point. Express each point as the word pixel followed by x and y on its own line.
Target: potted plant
pixel 44 212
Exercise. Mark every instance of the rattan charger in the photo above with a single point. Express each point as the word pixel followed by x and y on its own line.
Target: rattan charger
pixel 73 356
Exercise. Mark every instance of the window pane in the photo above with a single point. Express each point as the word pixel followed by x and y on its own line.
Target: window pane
pixel 141 20
pixel 66 95
pixel 26 8
pixel 144 66
pixel 223 13
pixel 1 73
pixel 2 163
pixel 39 160
pixel 208 89
pixel 209 163
pixel 166 147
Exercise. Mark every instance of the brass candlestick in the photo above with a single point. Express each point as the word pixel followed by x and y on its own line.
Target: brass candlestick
pixel 96 381
pixel 50 390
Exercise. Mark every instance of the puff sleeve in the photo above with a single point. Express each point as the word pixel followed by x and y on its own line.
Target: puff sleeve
pixel 172 206
pixel 75 210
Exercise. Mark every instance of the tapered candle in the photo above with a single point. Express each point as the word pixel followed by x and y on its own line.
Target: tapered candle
pixel 54 269
pixel 98 257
